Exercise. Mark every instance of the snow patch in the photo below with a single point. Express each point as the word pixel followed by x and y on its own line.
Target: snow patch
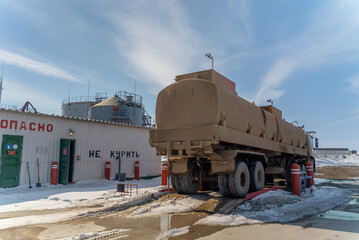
pixel 38 219
pixel 88 193
pixel 81 194
pixel 337 160
pixel 173 233
pixel 98 235
pixel 281 206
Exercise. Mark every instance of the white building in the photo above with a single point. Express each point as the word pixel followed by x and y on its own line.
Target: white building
pixel 80 146
pixel 331 151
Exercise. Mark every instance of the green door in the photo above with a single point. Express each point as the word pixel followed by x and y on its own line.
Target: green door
pixel 11 149
pixel 66 161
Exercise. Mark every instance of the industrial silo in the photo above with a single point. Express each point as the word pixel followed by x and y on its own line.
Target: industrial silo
pixel 123 107
pixel 79 106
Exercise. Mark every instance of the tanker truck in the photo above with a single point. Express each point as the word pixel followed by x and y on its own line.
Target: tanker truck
pixel 215 139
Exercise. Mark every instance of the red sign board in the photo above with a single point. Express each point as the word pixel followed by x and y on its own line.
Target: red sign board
pixel 11 153
pixel 65 151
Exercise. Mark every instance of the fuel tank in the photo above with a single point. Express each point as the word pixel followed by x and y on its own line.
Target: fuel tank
pixel 207 98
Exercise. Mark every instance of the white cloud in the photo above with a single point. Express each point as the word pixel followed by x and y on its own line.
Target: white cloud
pixel 42 68
pixel 331 37
pixel 353 84
pixel 242 9
pixel 157 42
pixel 269 88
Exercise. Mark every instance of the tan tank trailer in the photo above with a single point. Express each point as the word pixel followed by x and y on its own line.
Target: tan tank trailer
pixel 216 139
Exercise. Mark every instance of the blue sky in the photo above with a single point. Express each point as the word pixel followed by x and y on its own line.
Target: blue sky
pixel 302 54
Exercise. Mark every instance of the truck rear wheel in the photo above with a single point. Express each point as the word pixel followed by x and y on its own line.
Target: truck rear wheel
pixel 190 182
pixel 257 176
pixel 239 181
pixel 175 183
pixel 223 185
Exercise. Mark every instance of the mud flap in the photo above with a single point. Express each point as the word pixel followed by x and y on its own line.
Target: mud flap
pixel 178 165
pixel 223 161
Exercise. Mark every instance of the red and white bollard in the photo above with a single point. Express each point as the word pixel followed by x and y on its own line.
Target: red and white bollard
pixel 295 171
pixel 108 171
pixel 164 168
pixel 54 171
pixel 137 170
pixel 310 173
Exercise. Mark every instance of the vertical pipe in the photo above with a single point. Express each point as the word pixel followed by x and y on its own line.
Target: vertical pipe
pixel 295 172
pixel 137 170
pixel 108 170
pixel 310 173
pixel 54 172
pixel 164 173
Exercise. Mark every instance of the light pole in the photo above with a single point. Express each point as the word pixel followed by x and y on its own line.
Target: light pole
pixel 210 57
pixel 270 101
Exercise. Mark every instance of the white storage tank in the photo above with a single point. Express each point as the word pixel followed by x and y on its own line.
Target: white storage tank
pixel 79 106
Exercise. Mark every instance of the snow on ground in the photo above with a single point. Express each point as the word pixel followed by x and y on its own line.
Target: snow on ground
pixel 173 233
pixel 177 205
pixel 84 193
pixel 36 219
pixel 100 235
pixel 281 206
pixel 334 160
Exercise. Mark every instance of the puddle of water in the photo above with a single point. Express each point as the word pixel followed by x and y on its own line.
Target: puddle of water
pixel 340 215
pixel 328 187
pixel 165 223
pixel 152 226
pixel 353 202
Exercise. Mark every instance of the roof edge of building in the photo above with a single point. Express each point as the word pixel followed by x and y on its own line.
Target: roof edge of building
pixel 73 118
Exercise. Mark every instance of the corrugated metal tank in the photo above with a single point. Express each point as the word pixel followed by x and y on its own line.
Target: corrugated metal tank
pixel 122 108
pixel 79 106
pixel 108 139
pixel 76 109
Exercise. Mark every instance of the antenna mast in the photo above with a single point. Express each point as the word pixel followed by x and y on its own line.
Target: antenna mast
pixel 69 89
pixel 88 91
pixel 1 81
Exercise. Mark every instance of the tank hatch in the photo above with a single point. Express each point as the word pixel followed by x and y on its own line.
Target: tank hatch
pixel 212 76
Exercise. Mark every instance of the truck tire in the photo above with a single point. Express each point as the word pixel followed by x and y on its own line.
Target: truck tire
pixel 239 181
pixel 190 182
pixel 223 185
pixel 175 183
pixel 257 176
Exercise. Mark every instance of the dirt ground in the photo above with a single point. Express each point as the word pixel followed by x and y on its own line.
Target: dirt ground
pixel 338 172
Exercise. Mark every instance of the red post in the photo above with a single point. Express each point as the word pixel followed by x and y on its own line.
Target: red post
pixel 164 168
pixel 137 170
pixel 54 171
pixel 295 169
pixel 310 173
pixel 108 171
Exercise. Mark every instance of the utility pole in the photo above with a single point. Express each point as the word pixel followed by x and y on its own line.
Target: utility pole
pixel 1 81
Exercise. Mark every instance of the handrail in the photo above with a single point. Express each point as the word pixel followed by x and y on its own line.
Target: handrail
pixel 83 99
pixel 7 106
